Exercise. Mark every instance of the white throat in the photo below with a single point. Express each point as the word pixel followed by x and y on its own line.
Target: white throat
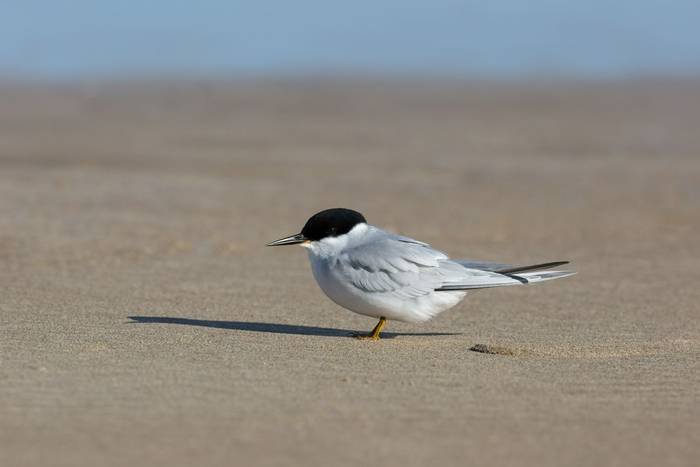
pixel 332 246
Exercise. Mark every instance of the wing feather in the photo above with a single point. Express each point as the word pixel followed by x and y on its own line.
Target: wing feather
pixel 393 264
pixel 386 263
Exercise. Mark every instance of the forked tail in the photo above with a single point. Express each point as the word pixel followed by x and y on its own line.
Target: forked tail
pixel 488 275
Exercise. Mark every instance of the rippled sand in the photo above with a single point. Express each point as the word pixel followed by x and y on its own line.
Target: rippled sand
pixel 143 322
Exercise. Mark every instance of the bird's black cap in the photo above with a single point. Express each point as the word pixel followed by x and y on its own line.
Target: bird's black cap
pixel 331 223
pixel 328 223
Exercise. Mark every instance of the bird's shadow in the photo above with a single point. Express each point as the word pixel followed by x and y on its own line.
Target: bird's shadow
pixel 273 328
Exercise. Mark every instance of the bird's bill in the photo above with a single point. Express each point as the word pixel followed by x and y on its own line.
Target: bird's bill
pixel 291 240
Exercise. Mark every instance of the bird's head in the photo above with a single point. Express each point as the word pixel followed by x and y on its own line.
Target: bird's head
pixel 325 224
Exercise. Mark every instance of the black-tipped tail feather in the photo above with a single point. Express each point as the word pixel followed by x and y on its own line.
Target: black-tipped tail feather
pixel 500 275
pixel 534 267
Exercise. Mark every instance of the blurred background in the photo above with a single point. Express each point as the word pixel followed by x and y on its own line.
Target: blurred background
pixel 466 39
pixel 148 151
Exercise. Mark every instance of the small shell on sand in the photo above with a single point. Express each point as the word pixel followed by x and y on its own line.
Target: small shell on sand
pixel 598 350
pixel 497 350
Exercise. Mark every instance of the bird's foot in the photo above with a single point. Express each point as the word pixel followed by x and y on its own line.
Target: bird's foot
pixel 373 334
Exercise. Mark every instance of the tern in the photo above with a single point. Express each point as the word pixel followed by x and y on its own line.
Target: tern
pixel 379 274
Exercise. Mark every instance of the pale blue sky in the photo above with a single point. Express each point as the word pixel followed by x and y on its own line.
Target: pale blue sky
pixel 507 38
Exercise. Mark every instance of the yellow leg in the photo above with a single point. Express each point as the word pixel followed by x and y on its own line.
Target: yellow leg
pixel 374 334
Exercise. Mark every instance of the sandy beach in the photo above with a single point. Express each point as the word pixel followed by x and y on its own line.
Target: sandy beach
pixel 143 322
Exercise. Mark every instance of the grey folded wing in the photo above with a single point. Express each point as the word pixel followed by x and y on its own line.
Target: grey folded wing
pixel 409 268
pixel 393 264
